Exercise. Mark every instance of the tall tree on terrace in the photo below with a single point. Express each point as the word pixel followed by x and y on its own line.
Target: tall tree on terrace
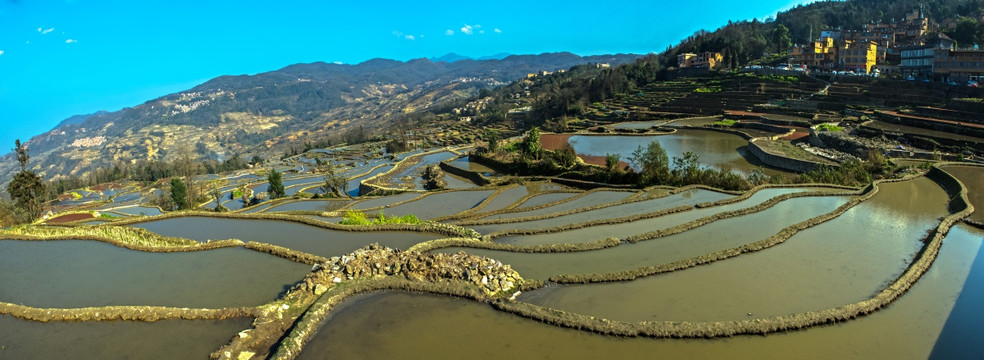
pixel 26 188
pixel 276 184
pixel 781 39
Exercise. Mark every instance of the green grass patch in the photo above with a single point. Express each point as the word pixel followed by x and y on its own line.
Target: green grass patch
pixel 709 89
pixel 511 147
pixel 75 195
pixel 725 123
pixel 108 216
pixel 828 127
pixel 359 218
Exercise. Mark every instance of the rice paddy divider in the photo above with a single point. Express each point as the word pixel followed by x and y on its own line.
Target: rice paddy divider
pixel 124 313
pixel 439 228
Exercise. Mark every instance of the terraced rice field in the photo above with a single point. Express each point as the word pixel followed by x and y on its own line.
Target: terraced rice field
pixel 688 272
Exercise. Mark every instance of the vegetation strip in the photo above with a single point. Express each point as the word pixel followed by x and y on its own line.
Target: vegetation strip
pixel 125 237
pixel 125 313
pixel 489 245
pixel 443 229
pixel 710 329
pixel 289 254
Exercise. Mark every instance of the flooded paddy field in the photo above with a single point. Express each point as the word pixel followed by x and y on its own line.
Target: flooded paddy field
pixel 168 339
pixel 310 205
pixel 716 236
pixel 716 149
pixel 301 237
pixel 685 198
pixel 76 273
pixel 825 266
pixel 973 178
pixel 384 201
pixel 440 204
pixel 913 327
pixel 581 201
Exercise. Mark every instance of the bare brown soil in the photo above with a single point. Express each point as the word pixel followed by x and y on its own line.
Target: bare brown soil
pixel 69 218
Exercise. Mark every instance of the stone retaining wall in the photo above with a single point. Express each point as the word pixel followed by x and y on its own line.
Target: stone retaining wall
pixel 474 177
pixel 782 162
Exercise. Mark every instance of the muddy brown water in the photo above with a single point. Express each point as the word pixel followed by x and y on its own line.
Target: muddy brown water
pixel 169 339
pixel 465 163
pixel 301 237
pixel 588 200
pixel 842 261
pixel 77 273
pixel 973 178
pixel 446 328
pixel 453 181
pixel 686 198
pixel 716 236
pixel 641 226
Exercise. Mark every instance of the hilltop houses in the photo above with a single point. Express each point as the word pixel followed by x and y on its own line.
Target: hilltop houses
pixel 862 50
pixel 709 60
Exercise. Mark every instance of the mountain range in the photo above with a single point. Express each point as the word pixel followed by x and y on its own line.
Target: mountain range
pixel 268 112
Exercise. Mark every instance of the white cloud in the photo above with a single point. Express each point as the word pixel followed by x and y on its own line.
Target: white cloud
pixel 481 31
pixel 449 32
pixel 1 52
pixel 497 31
pixel 338 63
pixel 45 31
pixel 467 29
pixel 410 37
pixel 71 41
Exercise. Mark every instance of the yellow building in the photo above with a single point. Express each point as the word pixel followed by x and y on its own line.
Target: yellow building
pixel 708 59
pixel 857 56
pixel 817 54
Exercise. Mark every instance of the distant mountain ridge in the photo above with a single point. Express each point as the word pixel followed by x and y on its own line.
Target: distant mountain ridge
pixel 267 112
pixel 452 57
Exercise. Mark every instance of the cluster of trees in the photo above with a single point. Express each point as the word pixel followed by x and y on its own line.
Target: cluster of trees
pixel 804 19
pixel 656 169
pixel 148 171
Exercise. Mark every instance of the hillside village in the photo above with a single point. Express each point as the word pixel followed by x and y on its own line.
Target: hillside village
pixel 914 48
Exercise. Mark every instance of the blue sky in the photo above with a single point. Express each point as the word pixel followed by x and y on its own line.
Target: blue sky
pixel 61 58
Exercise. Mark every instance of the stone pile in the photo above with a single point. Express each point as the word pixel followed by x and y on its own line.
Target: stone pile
pixel 374 261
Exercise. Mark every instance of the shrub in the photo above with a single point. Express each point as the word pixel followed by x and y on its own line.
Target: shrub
pixel 359 218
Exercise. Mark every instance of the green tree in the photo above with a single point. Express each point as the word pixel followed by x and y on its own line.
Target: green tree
pixel 334 184
pixel 179 193
pixel 611 162
pixel 276 184
pixel 566 155
pixel 653 163
pixel 531 144
pixel 493 138
pixel 781 39
pixel 26 188
pixel 967 32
